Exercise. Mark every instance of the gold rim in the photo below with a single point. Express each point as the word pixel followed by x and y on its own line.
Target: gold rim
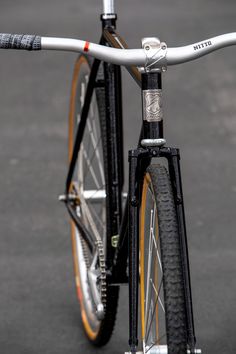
pixel 147 185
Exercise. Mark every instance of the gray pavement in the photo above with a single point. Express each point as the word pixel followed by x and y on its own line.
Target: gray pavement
pixel 38 307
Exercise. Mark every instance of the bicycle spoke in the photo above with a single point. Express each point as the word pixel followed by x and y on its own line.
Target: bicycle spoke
pixel 82 98
pixel 93 115
pixel 95 192
pixel 88 149
pixel 92 158
pixel 91 169
pixel 90 218
pixel 158 256
pixel 156 301
pixel 96 151
pixel 89 205
pixel 153 235
pixel 149 269
pixel 157 341
pixel 159 299
pixel 91 133
pixel 149 328
pixel 82 95
pixel 81 169
pixel 95 214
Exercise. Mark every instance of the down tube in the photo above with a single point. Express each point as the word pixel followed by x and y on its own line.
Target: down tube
pixel 119 272
pixel 115 169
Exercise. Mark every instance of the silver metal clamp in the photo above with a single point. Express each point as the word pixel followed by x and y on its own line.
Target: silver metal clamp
pixel 155 52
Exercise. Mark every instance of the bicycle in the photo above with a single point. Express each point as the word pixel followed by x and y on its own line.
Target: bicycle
pixel 103 260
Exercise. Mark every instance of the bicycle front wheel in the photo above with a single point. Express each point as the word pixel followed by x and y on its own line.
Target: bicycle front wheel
pixel 163 319
pixel 98 301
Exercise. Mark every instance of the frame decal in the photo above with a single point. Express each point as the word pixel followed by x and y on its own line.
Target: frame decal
pixel 202 45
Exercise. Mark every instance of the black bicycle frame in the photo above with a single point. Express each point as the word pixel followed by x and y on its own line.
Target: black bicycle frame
pixel 126 227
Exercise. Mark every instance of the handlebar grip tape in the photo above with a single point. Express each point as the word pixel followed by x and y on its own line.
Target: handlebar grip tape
pixel 20 41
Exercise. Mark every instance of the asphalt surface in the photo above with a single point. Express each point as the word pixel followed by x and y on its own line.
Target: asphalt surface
pixel 38 307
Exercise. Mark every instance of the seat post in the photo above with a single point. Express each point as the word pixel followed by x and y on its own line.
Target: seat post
pixel 108 7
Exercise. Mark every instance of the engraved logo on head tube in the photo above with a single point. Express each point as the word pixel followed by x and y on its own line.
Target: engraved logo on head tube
pixel 152 104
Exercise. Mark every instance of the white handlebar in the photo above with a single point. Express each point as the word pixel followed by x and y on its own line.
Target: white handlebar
pixel 154 54
pixel 116 56
pixel 193 51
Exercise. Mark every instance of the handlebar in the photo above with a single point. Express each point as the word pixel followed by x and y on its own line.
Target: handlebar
pixel 146 57
pixel 20 41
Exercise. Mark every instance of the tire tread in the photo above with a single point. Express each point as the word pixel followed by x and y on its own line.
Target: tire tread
pixel 171 260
